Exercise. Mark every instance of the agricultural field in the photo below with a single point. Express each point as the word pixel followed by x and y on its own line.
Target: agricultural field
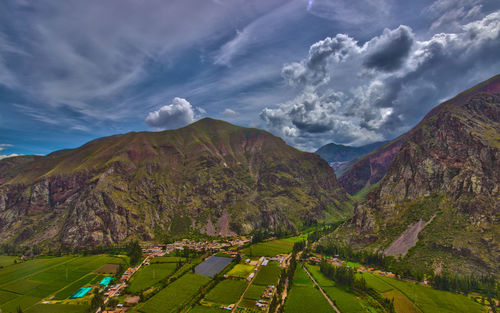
pixel 304 297
pixel 58 308
pixel 270 248
pixel 168 259
pixel 241 270
pixel 346 302
pixel 227 291
pixel 212 266
pixel 268 275
pixel 6 260
pixel 175 295
pixel 206 309
pixel 149 275
pixel 424 298
pixel 254 292
pixel 26 284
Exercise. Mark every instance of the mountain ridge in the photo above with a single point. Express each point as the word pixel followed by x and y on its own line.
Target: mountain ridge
pixel 210 177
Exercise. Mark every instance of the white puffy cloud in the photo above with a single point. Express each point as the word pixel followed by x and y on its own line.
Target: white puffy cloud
pixel 229 113
pixel 177 114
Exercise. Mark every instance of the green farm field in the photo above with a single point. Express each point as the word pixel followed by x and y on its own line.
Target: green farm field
pixel 425 299
pixel 304 297
pixel 346 302
pixel 270 248
pixel 168 259
pixel 268 275
pixel 6 260
pixel 26 284
pixel 227 291
pixel 254 292
pixel 241 270
pixel 174 296
pixel 206 309
pixel 149 275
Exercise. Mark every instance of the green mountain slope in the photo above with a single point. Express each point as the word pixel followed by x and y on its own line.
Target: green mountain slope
pixel 438 205
pixel 210 176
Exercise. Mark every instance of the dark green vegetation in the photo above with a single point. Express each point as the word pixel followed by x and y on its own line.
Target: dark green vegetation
pixel 304 297
pixel 437 207
pixel 210 177
pixel 25 284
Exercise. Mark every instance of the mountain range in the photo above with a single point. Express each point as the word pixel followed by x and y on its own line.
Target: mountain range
pixel 437 206
pixel 340 157
pixel 209 177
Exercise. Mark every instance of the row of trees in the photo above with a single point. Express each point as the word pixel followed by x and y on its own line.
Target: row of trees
pixel 365 257
pixel 465 284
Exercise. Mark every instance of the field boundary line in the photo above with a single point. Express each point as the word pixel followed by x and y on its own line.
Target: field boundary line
pixel 403 293
pixel 321 289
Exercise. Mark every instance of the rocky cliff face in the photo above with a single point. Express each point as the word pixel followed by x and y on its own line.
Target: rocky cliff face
pixel 211 177
pixel 438 205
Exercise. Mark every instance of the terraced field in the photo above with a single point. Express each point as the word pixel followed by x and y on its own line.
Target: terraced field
pixel 26 284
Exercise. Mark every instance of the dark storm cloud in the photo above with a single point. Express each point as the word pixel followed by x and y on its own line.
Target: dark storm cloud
pixel 398 82
pixel 390 50
pixel 313 70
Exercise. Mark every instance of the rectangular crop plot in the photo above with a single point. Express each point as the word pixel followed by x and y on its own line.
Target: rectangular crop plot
pixel 255 292
pixel 58 308
pixel 109 269
pixel 175 295
pixel 241 270
pixel 269 248
pixel 227 291
pixel 212 266
pixel 149 275
pixel 268 275
pixel 304 297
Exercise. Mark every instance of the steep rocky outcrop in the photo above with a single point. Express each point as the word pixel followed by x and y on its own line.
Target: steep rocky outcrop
pixel 210 176
pixel 442 187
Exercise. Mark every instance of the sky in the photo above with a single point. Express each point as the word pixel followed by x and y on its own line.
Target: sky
pixel 310 71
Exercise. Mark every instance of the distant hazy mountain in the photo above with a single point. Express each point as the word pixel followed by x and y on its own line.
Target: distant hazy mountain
pixel 341 156
pixel 211 176
pixel 438 205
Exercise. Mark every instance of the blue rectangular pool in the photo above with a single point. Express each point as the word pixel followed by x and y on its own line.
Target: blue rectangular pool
pixel 80 293
pixel 106 280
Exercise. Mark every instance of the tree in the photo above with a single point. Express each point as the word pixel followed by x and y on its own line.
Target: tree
pixel 134 251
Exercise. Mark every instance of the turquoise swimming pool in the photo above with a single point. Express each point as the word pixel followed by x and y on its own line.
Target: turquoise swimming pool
pixel 106 280
pixel 81 292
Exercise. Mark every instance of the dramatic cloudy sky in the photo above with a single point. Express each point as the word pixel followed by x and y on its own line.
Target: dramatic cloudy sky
pixel 310 71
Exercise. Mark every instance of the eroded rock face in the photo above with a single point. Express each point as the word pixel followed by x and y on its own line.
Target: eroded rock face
pixel 446 176
pixel 210 176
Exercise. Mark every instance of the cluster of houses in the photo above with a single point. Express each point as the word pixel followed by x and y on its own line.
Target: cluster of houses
pixel 160 250
pixel 262 304
pixel 268 293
